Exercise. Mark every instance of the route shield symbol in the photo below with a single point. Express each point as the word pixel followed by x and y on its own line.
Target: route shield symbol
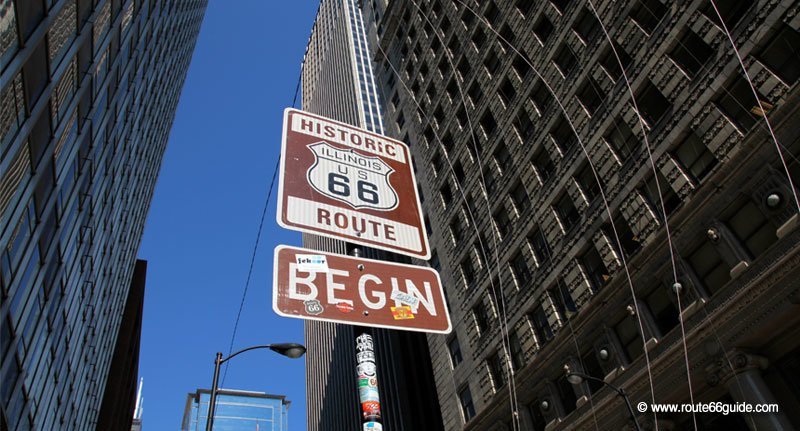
pixel 347 176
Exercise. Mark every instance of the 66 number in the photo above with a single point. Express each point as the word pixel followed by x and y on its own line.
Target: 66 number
pixel 339 184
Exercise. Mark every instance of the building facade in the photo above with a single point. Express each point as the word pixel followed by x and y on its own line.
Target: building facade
pixel 89 92
pixel 338 82
pixel 237 411
pixel 605 197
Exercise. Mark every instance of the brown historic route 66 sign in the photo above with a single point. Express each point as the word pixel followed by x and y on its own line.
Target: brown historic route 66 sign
pixel 347 183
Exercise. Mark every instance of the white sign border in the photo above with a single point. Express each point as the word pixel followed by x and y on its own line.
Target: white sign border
pixel 277 311
pixel 333 235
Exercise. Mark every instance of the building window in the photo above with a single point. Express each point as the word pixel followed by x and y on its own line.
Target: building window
pixel 521 67
pixel 541 97
pixel 588 183
pixel 455 231
pixel 507 35
pixel 752 228
pixel 664 311
pixel 653 106
pixel 566 393
pixel 628 243
pixel 455 351
pixel 488 124
pixel 562 299
pixel 595 269
pixel 478 38
pixel 565 60
pixel 523 7
pixel 492 14
pixel 543 29
pixel 560 5
pixel 591 366
pixel 520 198
pixel 524 127
pixel 691 53
pixel 610 64
pixel 467 272
pixel 627 331
pixel 543 165
pixel 517 353
pixel 436 164
pixel 506 92
pixel 490 182
pixel 590 95
pixel 502 223
pixel 445 195
pixel 541 327
pixel 567 212
pixel 475 94
pixel 709 267
pixel 647 14
pixel 694 156
pixel 563 135
pixel 458 172
pixel 491 63
pixel 520 270
pixel 481 316
pixel 732 12
pixel 780 54
pixel 737 103
pixel 538 242
pixel 586 26
pixel 495 365
pixel 650 189
pixel 502 157
pixel 464 68
pixel 461 118
pixel 467 408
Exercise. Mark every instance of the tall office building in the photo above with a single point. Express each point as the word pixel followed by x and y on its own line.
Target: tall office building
pixel 88 94
pixel 338 82
pixel 237 411
pixel 652 246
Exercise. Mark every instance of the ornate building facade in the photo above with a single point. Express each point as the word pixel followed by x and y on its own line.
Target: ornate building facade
pixel 605 197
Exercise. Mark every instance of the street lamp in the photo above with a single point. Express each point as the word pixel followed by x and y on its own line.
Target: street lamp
pixel 578 378
pixel 291 350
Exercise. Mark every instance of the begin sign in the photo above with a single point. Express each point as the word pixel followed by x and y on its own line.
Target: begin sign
pixel 357 291
pixel 350 184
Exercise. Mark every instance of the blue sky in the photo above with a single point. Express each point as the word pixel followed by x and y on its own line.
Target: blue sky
pixel 205 212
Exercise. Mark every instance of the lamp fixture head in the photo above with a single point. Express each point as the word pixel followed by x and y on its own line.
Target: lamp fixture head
pixel 290 350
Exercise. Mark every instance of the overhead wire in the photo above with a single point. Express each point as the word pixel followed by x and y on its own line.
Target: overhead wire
pixel 501 306
pixel 257 241
pixel 597 179
pixel 499 298
pixel 665 218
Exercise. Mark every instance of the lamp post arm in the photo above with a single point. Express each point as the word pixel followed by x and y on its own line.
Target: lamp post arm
pixel 621 392
pixel 263 346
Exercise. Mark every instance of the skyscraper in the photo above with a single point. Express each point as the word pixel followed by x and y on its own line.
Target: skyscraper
pixel 89 92
pixel 606 197
pixel 338 82
pixel 237 411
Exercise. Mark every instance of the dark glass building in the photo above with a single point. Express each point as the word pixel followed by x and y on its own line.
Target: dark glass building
pixel 338 82
pixel 88 92
pixel 605 197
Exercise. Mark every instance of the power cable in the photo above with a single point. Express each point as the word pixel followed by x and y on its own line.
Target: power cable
pixel 258 238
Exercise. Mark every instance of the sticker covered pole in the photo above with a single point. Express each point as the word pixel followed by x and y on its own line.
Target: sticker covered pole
pixel 367 376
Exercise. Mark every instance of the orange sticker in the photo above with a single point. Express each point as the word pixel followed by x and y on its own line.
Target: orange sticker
pixel 402 313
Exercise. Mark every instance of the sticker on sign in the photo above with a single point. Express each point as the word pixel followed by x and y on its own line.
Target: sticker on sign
pixel 347 183
pixel 360 292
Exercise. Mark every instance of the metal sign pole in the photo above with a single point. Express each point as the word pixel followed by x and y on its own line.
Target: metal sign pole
pixel 367 376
